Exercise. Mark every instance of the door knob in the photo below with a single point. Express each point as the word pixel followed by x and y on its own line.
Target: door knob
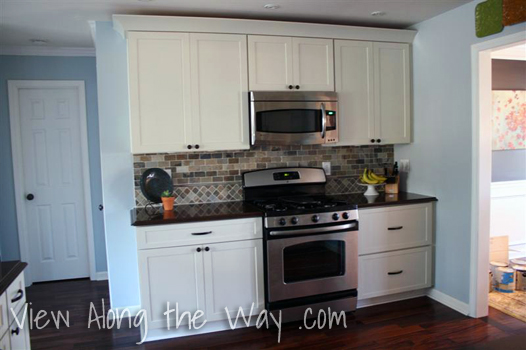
pixel 101 207
pixel 30 197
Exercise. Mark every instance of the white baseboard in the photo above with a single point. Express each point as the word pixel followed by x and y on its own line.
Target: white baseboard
pixel 449 301
pixel 391 298
pixel 101 276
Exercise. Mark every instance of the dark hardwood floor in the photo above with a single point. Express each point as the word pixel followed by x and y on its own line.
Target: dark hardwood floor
pixel 418 323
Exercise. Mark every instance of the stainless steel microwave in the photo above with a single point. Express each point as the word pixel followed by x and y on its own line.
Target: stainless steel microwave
pixel 293 118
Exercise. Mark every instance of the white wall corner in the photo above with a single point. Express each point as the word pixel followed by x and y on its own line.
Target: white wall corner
pixel 448 301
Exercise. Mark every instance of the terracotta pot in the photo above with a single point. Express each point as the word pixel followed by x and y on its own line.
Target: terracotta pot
pixel 168 203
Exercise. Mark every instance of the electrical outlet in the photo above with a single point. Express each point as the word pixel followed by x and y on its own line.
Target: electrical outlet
pixel 403 165
pixel 327 167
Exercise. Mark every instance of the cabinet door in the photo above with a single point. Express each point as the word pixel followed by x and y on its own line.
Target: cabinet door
pixel 4 342
pixel 270 62
pixel 19 337
pixel 392 92
pixel 172 275
pixel 313 64
pixel 159 85
pixel 219 91
pixel 234 278
pixel 354 85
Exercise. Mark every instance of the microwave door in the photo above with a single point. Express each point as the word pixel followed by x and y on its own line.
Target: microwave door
pixel 287 123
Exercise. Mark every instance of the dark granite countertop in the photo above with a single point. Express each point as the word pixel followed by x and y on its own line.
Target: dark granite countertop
pixel 193 212
pixel 9 271
pixel 385 199
pixel 237 210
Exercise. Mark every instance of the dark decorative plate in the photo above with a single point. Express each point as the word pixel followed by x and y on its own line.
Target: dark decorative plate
pixel 154 182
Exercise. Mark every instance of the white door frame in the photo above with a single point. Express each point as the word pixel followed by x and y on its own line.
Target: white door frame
pixel 481 168
pixel 18 171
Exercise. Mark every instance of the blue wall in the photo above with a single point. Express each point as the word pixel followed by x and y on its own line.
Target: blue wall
pixel 47 68
pixel 440 154
pixel 117 166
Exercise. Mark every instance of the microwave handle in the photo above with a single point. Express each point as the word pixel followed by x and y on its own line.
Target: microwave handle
pixel 323 121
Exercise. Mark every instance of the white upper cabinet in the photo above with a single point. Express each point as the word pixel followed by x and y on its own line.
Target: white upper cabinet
pixel 270 62
pixel 373 85
pixel 219 91
pixel 392 86
pixel 284 63
pixel 313 64
pixel 188 92
pixel 159 87
pixel 354 85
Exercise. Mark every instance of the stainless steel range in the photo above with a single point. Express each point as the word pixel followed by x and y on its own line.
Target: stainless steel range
pixel 310 241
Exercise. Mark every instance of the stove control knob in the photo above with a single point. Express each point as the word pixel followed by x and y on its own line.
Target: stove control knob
pixel 335 216
pixel 345 215
pixel 315 218
pixel 282 222
pixel 294 220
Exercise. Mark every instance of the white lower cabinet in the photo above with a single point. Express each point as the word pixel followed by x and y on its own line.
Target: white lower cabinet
pixel 13 337
pixel 394 272
pixel 395 250
pixel 171 275
pixel 233 278
pixel 19 337
pixel 203 276
pixel 4 342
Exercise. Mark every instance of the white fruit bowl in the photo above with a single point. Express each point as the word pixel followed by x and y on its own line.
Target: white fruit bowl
pixel 371 188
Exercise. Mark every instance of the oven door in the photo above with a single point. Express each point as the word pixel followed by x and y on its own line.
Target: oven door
pixel 293 123
pixel 311 265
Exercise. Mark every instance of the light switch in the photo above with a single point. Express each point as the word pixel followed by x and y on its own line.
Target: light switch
pixel 404 165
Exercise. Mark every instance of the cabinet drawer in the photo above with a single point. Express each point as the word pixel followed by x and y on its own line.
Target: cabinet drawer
pixel 198 233
pixel 3 315
pixel 16 296
pixel 395 272
pixel 393 228
pixel 19 337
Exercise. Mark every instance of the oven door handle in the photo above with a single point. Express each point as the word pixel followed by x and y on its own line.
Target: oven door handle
pixel 323 121
pixel 313 230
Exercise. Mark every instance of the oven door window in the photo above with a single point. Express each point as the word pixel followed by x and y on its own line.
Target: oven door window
pixel 313 260
pixel 289 121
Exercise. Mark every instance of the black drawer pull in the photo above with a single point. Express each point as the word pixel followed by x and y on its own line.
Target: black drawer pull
pixel 15 331
pixel 201 233
pixel 395 272
pixel 18 297
pixel 395 228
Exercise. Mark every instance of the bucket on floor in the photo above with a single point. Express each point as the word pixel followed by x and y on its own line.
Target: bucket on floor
pixel 505 277
pixel 520 261
pixel 520 277
pixel 494 265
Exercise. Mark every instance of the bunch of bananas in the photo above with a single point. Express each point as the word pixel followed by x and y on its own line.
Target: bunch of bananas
pixel 369 177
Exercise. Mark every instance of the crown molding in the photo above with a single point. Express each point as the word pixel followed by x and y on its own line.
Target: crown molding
pixel 124 24
pixel 46 51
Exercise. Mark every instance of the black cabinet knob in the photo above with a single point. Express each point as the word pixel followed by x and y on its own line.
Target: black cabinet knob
pixel 372 140
pixel 297 87
pixel 291 87
pixel 207 249
pixel 378 140
pixel 196 146
pixel 189 146
pixel 15 331
pixel 198 250
pixel 30 197
pixel 101 207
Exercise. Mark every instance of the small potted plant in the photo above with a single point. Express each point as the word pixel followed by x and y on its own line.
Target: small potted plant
pixel 168 198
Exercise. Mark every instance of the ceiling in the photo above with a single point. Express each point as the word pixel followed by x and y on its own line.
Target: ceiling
pixel 64 23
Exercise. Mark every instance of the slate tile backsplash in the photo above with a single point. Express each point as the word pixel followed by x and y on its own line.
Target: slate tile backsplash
pixel 204 177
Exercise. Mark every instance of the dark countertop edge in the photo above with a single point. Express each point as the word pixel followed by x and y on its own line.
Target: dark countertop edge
pixel 162 221
pixel 399 203
pixel 11 275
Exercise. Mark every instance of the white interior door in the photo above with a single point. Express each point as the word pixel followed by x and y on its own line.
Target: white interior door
pixel 50 163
